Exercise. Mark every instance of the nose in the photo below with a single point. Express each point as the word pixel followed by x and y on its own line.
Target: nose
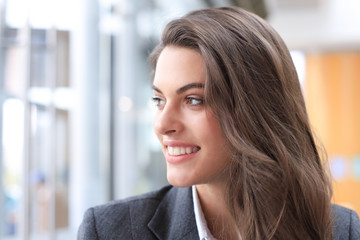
pixel 168 120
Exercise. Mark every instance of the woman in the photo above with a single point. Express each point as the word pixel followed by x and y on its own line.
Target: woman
pixel 240 154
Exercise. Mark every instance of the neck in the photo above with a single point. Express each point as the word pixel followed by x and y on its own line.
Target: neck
pixel 218 217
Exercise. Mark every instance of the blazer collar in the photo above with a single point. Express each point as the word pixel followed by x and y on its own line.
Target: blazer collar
pixel 174 217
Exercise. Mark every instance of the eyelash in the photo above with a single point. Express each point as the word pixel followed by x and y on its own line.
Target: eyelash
pixel 159 102
pixel 198 100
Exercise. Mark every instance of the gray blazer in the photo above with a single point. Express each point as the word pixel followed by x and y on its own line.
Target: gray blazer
pixel 168 214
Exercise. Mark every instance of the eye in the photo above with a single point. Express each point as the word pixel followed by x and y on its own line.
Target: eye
pixel 158 102
pixel 194 101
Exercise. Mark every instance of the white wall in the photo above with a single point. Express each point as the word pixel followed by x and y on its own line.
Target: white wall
pixel 317 24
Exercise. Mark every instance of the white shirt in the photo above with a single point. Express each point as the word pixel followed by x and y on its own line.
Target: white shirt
pixel 204 232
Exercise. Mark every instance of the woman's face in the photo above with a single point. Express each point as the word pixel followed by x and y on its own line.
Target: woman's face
pixel 191 138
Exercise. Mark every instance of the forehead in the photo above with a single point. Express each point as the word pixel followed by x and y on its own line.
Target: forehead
pixel 179 65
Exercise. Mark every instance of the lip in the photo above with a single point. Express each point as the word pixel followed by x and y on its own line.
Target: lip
pixel 176 159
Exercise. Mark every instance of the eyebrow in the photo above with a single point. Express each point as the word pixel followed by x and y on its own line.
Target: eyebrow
pixel 183 88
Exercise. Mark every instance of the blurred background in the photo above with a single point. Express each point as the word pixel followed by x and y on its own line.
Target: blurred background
pixel 75 115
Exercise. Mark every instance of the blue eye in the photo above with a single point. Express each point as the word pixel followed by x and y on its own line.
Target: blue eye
pixel 159 102
pixel 194 101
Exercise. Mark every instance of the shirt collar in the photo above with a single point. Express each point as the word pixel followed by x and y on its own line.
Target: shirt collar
pixel 204 232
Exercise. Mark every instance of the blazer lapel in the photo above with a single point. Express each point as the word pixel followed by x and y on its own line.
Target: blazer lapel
pixel 174 218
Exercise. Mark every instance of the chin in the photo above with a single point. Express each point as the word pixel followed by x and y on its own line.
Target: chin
pixel 179 181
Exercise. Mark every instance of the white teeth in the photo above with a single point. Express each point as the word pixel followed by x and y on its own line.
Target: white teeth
pixel 188 150
pixel 175 151
pixel 182 150
pixel 171 150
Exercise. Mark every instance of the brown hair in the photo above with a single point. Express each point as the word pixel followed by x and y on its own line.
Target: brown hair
pixel 278 187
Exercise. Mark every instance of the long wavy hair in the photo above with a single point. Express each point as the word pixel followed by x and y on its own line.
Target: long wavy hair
pixel 278 187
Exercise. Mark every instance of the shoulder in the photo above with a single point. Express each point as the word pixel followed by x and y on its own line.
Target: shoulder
pixel 147 202
pixel 119 218
pixel 346 223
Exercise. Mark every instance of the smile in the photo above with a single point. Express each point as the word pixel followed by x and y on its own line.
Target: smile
pixel 176 151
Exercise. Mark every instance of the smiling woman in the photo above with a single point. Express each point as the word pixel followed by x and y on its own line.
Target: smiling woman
pixel 192 140
pixel 240 154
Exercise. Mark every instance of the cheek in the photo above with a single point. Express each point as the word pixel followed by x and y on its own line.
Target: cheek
pixel 156 124
pixel 213 126
pixel 215 137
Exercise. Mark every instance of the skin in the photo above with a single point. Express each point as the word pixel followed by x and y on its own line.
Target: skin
pixel 183 120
